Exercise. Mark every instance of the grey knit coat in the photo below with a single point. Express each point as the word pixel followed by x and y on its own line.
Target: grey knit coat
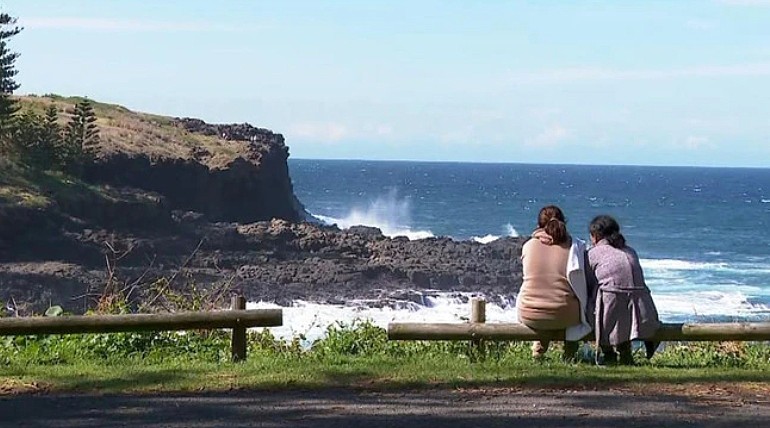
pixel 624 308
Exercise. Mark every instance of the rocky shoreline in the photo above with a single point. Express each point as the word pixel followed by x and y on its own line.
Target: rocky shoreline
pixel 274 261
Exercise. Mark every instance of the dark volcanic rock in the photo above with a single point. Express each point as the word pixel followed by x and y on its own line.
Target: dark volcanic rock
pixel 245 190
pixel 281 261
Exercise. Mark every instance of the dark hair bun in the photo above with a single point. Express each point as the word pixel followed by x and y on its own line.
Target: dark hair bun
pixel 606 227
pixel 557 230
pixel 552 220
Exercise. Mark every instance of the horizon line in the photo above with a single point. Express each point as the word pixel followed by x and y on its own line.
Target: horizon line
pixel 480 162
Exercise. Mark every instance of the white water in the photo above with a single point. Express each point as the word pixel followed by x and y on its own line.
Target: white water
pixel 677 285
pixel 390 214
pixel 312 319
pixel 510 231
pixel 677 297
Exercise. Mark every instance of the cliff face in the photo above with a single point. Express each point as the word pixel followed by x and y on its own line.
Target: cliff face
pixel 249 188
pixel 228 172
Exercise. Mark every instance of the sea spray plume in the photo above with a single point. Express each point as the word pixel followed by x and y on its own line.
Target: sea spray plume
pixel 389 213
pixel 512 232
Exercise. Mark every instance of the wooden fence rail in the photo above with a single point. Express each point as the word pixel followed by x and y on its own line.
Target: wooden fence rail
pixel 237 319
pixel 476 331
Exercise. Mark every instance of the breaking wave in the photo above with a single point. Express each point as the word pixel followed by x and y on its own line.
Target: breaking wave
pixel 510 231
pixel 389 213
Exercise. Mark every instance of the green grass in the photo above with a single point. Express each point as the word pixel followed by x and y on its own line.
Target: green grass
pixel 265 372
pixel 30 188
pixel 136 133
pixel 357 357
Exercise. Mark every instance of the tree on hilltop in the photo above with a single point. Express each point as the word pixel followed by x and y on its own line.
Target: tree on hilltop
pixel 27 137
pixel 52 131
pixel 50 144
pixel 81 139
pixel 8 107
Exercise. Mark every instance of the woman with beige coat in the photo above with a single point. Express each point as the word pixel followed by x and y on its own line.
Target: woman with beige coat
pixel 554 294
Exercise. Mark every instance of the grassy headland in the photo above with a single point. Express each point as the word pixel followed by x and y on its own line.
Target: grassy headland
pixel 122 131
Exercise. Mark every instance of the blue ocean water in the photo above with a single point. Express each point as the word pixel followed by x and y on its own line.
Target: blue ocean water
pixel 703 233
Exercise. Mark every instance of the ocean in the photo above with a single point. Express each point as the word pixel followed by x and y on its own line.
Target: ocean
pixel 703 233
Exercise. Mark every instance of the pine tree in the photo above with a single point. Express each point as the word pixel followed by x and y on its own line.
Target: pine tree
pixel 8 71
pixel 81 138
pixel 28 140
pixel 8 107
pixel 51 135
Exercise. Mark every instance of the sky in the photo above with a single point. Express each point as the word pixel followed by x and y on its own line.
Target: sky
pixel 590 82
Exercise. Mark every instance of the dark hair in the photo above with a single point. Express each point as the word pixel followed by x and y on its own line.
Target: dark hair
pixel 606 227
pixel 551 219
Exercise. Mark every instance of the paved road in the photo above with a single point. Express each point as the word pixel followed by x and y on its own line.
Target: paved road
pixel 617 408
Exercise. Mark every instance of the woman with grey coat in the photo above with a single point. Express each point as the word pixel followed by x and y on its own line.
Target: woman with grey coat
pixel 625 310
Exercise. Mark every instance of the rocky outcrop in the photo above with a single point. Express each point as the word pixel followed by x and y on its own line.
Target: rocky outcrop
pixel 281 261
pixel 305 260
pixel 253 186
pixel 245 190
pixel 236 131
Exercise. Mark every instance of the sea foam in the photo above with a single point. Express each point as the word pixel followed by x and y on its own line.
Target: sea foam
pixel 311 320
pixel 510 231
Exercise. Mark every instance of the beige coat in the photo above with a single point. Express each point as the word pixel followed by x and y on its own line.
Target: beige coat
pixel 546 300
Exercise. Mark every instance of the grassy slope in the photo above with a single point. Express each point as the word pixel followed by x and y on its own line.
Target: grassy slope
pixel 122 131
pixel 126 131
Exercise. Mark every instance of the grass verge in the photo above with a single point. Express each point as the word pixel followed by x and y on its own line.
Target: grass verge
pixel 351 357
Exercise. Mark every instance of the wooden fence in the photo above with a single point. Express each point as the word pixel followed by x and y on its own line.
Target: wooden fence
pixel 238 319
pixel 478 330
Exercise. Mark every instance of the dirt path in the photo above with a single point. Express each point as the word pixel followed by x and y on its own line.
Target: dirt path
pixel 711 406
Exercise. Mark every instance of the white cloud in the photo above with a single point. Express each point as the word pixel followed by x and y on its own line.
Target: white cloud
pixel 697 142
pixel 745 2
pixel 129 25
pixel 383 130
pixel 582 74
pixel 321 131
pixel 550 137
pixel 700 24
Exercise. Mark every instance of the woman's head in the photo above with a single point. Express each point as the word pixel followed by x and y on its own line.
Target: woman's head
pixel 551 220
pixel 606 227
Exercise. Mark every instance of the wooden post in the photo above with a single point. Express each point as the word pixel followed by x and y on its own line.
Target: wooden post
pixel 238 343
pixel 478 310
pixel 478 316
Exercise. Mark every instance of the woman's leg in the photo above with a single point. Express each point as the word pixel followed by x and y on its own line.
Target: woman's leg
pixel 609 354
pixel 650 347
pixel 626 357
pixel 570 349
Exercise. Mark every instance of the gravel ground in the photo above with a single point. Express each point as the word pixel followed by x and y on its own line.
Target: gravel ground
pixel 678 406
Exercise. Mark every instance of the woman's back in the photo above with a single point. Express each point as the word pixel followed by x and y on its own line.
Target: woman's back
pixel 546 298
pixel 625 310
pixel 616 268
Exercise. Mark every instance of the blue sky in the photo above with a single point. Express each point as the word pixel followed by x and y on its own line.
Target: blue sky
pixel 616 82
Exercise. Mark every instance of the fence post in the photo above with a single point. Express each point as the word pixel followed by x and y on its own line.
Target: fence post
pixel 478 316
pixel 238 343
pixel 478 310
